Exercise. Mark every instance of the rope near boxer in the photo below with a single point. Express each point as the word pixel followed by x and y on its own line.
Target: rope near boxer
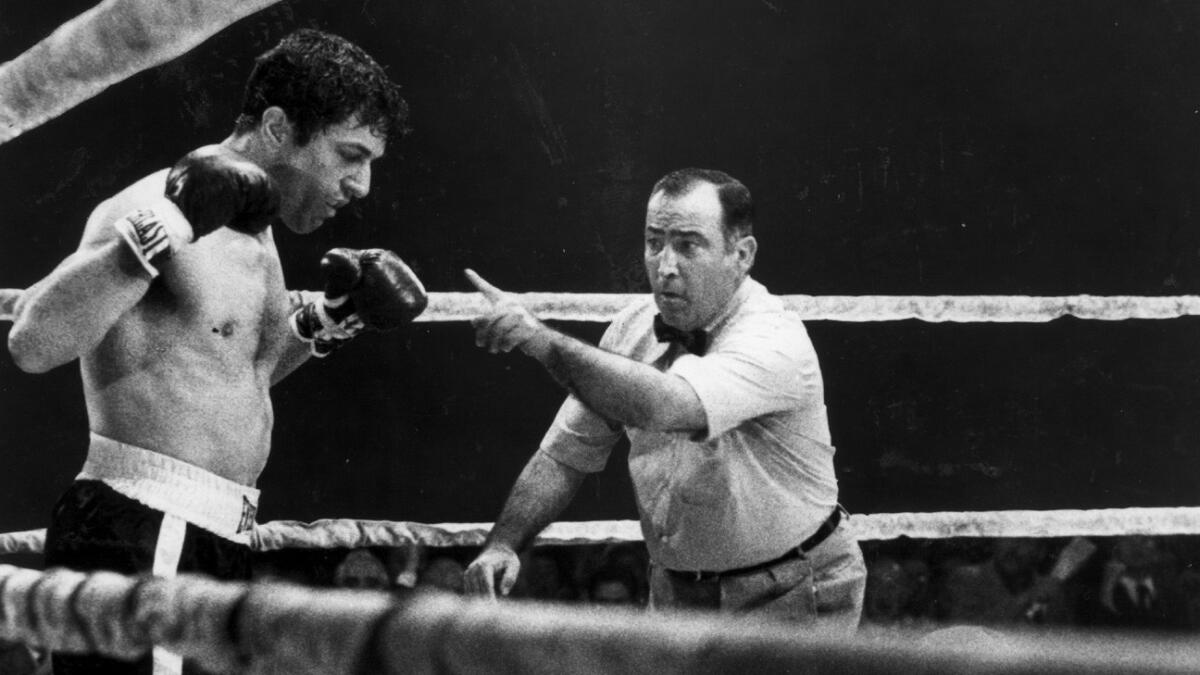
pixel 106 44
pixel 175 305
pixel 281 628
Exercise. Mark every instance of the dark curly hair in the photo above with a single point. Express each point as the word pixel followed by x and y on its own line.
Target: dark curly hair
pixel 319 80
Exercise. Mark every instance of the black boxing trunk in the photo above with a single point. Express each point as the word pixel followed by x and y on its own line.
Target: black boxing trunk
pixel 94 526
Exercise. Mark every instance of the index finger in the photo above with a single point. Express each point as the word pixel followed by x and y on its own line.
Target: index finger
pixel 479 582
pixel 489 291
pixel 8 302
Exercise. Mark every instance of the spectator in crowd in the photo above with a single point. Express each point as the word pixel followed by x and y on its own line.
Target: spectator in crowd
pixel 919 575
pixel 628 555
pixel 296 566
pixel 403 564
pixel 1010 587
pixel 545 576
pixel 441 574
pixel 1189 587
pixel 361 569
pixel 889 590
pixel 613 584
pixel 1140 587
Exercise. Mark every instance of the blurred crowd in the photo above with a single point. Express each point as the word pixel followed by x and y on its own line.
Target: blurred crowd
pixel 914 587
pixel 1135 582
pixel 1128 582
pixel 613 574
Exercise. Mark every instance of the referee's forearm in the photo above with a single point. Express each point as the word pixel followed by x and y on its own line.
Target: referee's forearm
pixel 543 490
pixel 615 387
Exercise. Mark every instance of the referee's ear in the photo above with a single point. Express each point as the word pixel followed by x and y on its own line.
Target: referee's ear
pixel 745 249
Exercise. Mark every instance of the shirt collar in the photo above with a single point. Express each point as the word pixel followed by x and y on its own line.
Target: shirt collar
pixel 745 289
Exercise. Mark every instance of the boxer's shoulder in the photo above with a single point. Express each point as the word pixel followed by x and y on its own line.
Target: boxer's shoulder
pixel 140 193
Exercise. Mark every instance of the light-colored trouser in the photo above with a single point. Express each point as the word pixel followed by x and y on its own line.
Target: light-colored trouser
pixel 821 591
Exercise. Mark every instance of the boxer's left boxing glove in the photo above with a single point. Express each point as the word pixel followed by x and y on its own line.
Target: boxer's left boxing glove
pixel 217 187
pixel 207 188
pixel 370 288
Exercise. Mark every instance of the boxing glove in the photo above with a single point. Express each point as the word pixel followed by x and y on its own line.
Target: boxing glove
pixel 208 188
pixel 389 295
pixel 214 186
pixel 370 288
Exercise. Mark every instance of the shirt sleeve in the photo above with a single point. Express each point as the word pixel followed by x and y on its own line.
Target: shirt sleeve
pixel 765 365
pixel 579 437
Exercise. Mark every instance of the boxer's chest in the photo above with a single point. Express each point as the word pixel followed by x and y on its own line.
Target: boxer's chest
pixel 227 291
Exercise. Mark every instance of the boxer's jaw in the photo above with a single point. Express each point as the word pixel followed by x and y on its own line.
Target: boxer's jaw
pixel 327 173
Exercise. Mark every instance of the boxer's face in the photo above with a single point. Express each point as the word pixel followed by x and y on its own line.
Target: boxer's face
pixel 323 175
pixel 693 271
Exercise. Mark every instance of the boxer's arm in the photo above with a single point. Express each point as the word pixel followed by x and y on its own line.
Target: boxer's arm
pixel 68 313
pixel 295 351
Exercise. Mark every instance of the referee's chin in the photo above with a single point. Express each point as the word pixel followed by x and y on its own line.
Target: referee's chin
pixel 674 310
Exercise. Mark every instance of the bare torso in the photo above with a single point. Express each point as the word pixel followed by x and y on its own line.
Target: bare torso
pixel 187 372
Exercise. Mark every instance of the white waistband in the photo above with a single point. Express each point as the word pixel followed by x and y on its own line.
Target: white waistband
pixel 202 498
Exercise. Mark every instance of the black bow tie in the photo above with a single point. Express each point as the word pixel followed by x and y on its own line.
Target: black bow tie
pixel 695 341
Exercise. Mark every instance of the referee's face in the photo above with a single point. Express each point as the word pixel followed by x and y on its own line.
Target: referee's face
pixel 692 270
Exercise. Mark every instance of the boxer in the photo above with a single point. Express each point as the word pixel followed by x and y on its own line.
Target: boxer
pixel 175 306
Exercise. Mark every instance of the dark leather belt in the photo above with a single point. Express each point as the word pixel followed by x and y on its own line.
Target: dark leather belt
pixel 831 523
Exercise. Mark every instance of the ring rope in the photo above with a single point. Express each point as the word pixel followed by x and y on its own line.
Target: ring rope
pixel 101 47
pixel 230 627
pixel 601 307
pixel 351 533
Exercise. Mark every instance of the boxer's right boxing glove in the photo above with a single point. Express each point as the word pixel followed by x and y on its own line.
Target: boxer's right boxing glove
pixel 208 188
pixel 390 295
pixel 328 322
pixel 370 288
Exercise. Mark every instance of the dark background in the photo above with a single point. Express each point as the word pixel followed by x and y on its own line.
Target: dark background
pixel 986 147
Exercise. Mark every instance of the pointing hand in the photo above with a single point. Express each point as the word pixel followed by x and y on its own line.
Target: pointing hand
pixel 508 324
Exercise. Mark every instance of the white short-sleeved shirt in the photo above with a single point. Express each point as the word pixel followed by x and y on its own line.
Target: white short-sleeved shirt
pixel 760 479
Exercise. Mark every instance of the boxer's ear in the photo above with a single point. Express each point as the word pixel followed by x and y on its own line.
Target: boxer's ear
pixel 276 128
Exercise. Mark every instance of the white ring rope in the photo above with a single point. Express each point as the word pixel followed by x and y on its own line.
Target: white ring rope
pixel 601 307
pixel 350 533
pixel 225 626
pixel 228 627
pixel 101 47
